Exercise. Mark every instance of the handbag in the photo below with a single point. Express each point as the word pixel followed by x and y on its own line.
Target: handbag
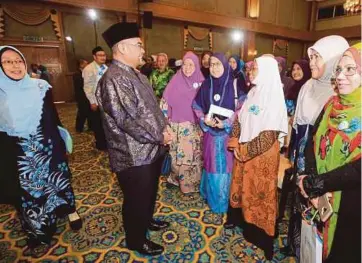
pixel 311 243
pixel 166 165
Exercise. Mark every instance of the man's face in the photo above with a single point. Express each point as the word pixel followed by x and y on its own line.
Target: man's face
pixel 133 51
pixel 100 57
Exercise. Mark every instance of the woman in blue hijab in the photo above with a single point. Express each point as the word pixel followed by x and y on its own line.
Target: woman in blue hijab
pixel 34 173
pixel 237 65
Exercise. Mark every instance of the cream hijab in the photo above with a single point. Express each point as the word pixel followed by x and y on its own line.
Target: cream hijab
pixel 316 92
pixel 264 108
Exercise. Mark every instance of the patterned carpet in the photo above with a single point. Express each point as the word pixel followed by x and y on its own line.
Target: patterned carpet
pixel 196 234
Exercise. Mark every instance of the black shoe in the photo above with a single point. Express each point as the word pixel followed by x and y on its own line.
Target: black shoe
pixel 269 255
pixel 228 225
pixel 76 224
pixel 149 248
pixel 158 225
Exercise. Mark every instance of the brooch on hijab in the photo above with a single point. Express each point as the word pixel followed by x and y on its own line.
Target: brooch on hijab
pixel 217 97
pixel 343 125
pixel 254 109
pixel 195 85
pixel 350 127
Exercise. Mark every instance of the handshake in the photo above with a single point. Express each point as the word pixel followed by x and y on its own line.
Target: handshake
pixel 167 135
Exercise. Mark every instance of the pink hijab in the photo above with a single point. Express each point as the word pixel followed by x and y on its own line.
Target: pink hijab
pixel 181 91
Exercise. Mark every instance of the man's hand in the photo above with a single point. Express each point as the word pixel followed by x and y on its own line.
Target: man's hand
pixel 167 138
pixel 94 107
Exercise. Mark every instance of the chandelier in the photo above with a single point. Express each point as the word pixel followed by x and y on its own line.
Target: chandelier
pixel 352 6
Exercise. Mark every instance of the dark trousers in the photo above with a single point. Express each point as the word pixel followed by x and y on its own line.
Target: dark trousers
pixel 83 115
pixel 139 185
pixel 96 123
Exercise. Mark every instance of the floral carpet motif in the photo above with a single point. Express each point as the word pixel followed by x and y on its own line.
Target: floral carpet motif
pixel 195 235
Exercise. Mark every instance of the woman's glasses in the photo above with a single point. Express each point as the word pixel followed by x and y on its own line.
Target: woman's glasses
pixel 347 70
pixel 9 63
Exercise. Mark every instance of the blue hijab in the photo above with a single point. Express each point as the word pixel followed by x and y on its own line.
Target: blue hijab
pixel 239 67
pixel 222 86
pixel 21 102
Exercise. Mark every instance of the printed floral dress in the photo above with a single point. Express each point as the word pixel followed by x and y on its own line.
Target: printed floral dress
pixel 35 177
pixel 186 153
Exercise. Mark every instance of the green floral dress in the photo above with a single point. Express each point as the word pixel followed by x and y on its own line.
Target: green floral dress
pixel 159 80
pixel 186 153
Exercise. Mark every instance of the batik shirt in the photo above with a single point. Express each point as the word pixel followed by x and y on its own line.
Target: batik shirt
pixel 132 119
pixel 159 80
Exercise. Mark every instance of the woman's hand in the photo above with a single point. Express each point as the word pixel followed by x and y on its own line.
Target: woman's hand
pixel 210 122
pixel 219 123
pixel 314 202
pixel 300 185
pixel 237 155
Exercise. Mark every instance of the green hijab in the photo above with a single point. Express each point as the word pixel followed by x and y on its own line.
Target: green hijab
pixel 338 142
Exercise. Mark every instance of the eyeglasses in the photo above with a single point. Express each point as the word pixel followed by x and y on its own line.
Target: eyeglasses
pixel 215 65
pixel 9 63
pixel 139 45
pixel 347 71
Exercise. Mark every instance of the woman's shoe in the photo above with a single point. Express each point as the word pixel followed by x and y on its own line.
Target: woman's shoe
pixel 228 225
pixel 75 221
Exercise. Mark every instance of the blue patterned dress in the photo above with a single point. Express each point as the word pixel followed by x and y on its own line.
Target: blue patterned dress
pixel 35 177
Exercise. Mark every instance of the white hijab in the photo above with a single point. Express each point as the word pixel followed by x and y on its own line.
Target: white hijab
pixel 316 92
pixel 264 109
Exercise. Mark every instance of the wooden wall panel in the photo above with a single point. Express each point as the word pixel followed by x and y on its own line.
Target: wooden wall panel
pixel 340 22
pixel 301 15
pixel 16 29
pixel 80 28
pixel 202 5
pixel 263 44
pixel 224 44
pixel 232 7
pixel 181 3
pixel 285 12
pixel 165 37
pixel 268 10
pixel 295 51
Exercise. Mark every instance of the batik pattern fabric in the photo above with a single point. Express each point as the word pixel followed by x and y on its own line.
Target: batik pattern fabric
pixel 290 107
pixel 133 122
pixel 39 166
pixel 186 154
pixel 46 186
pixel 159 81
pixel 255 180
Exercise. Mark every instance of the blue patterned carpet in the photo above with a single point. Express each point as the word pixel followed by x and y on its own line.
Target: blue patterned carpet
pixel 196 234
